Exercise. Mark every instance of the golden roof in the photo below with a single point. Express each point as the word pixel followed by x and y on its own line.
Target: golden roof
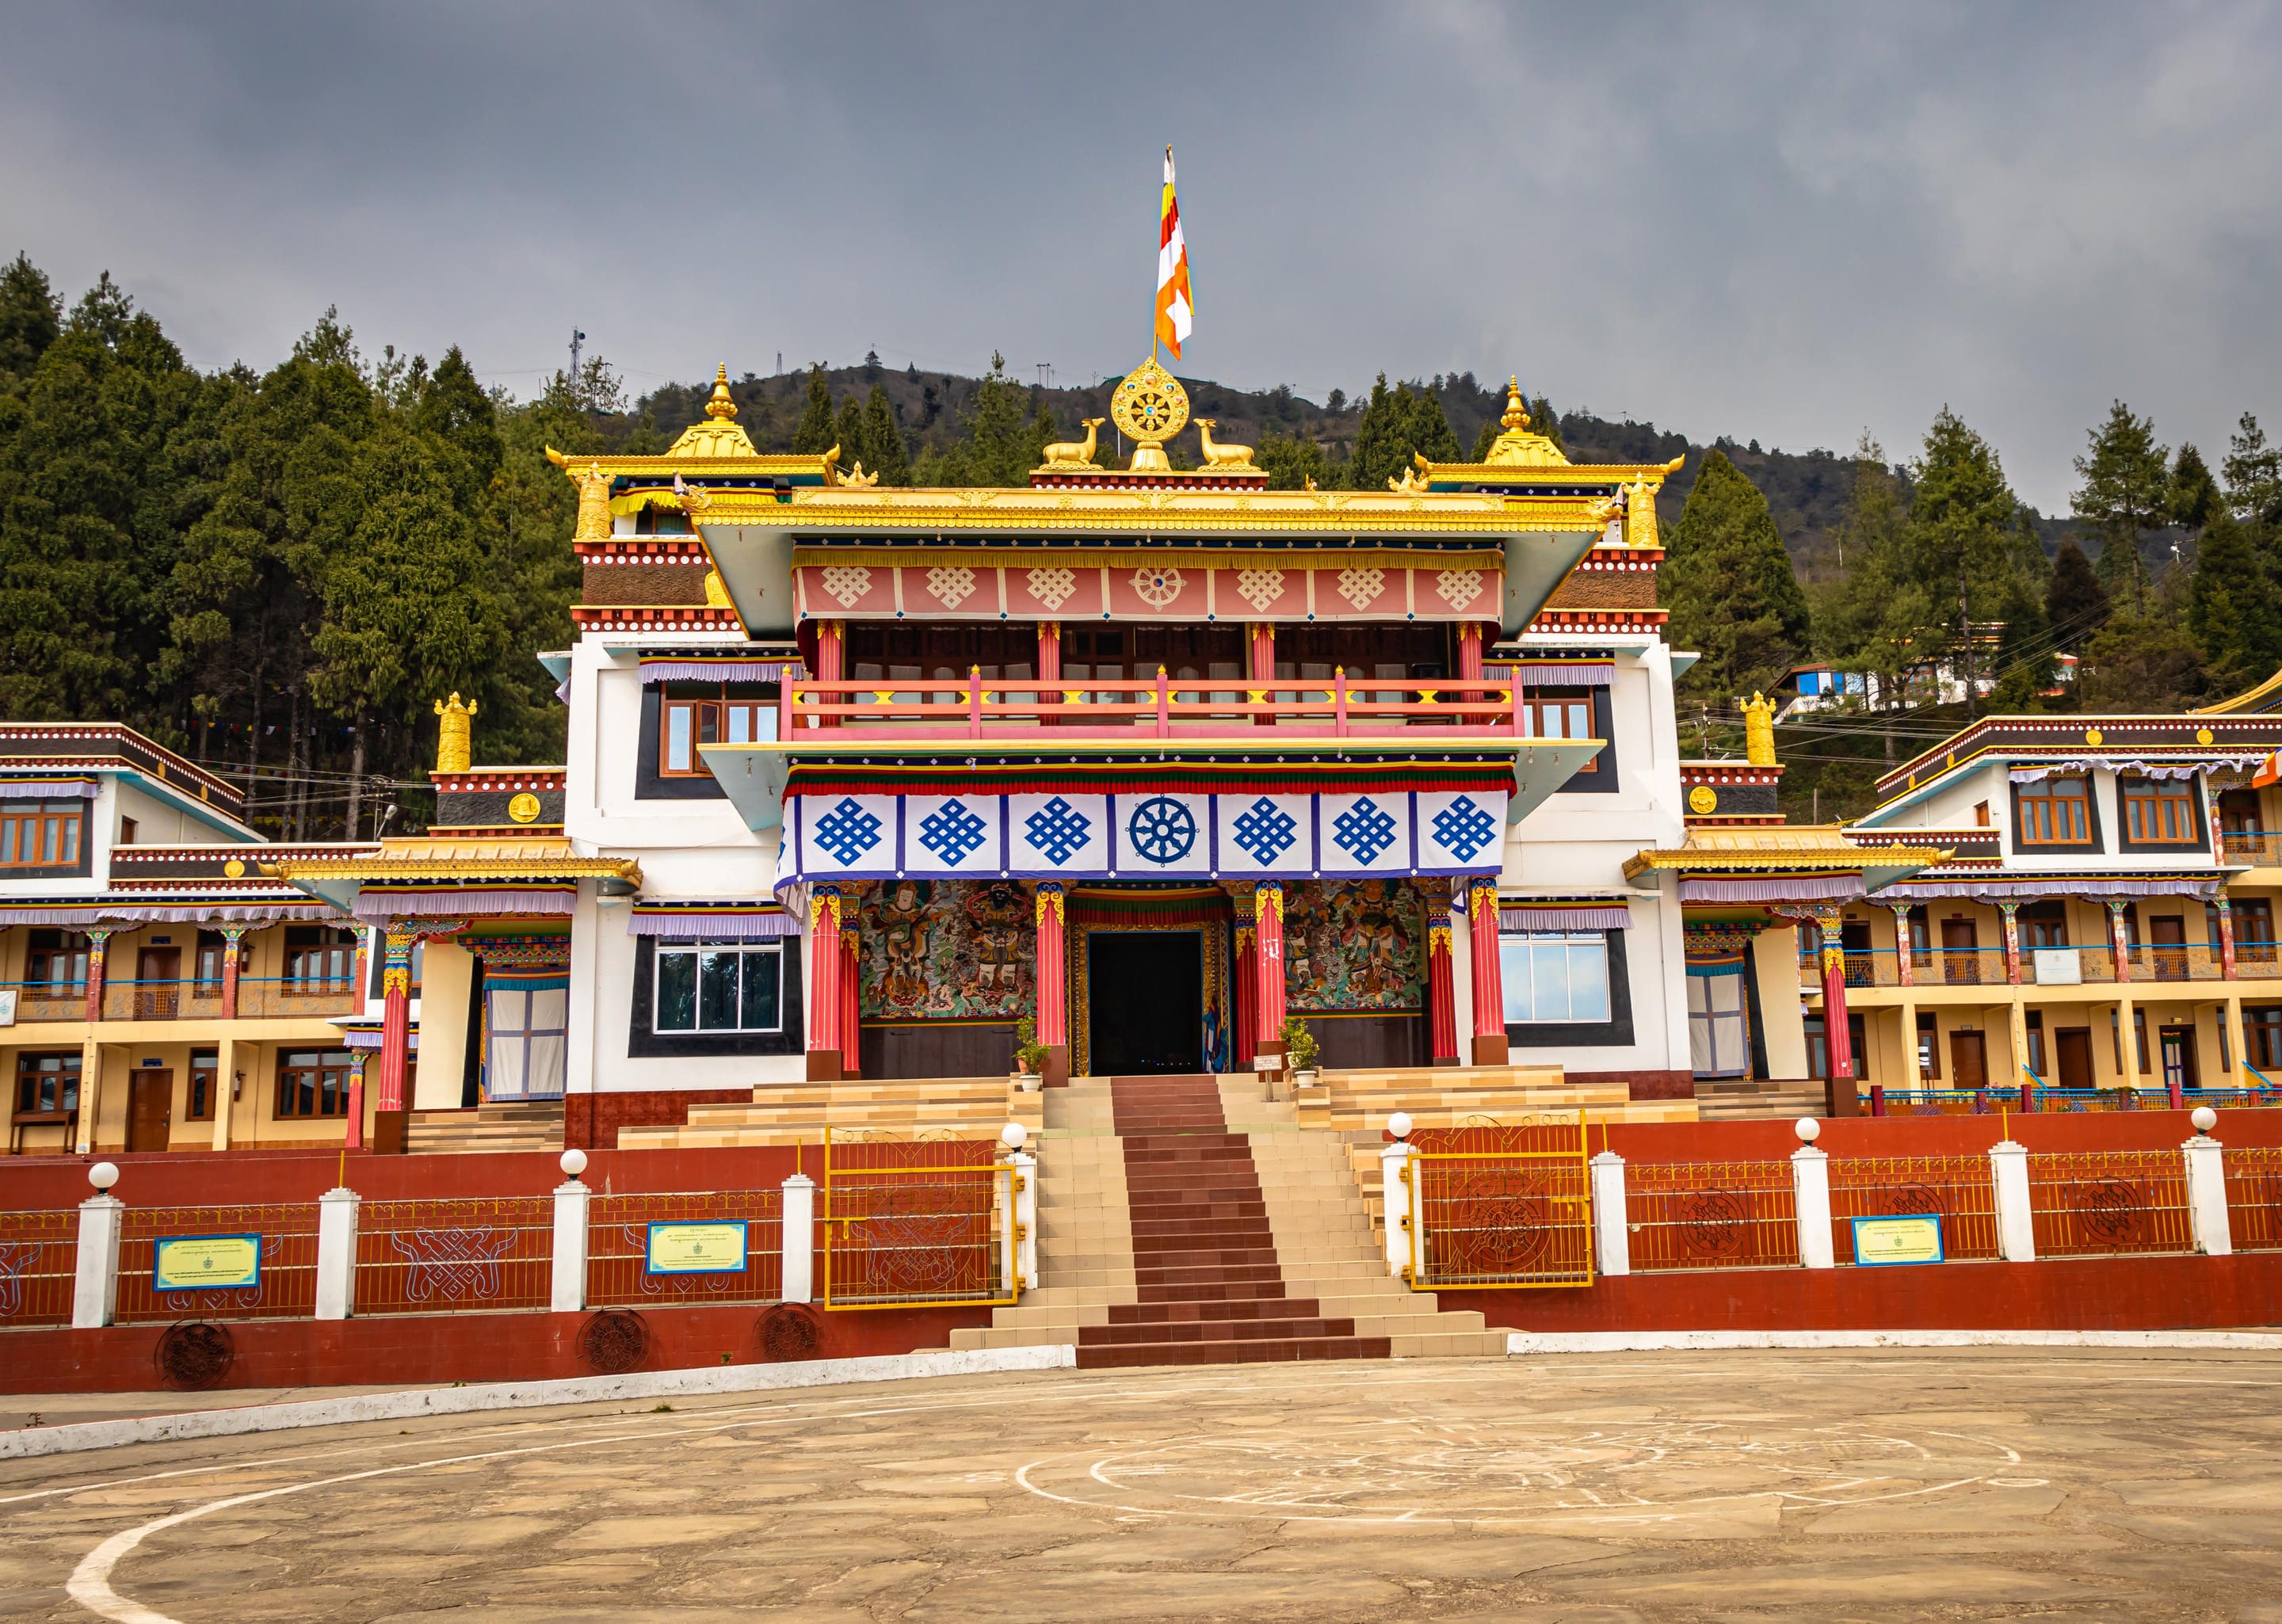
pixel 533 857
pixel 1763 848
pixel 1518 454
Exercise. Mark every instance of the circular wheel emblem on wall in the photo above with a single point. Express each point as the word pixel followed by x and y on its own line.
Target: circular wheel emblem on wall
pixel 612 1343
pixel 194 1355
pixel 1161 829
pixel 788 1331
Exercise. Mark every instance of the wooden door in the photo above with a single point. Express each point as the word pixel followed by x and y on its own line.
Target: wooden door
pixel 2072 1047
pixel 2178 1047
pixel 1959 951
pixel 1967 1060
pixel 2167 943
pixel 149 1109
pixel 157 983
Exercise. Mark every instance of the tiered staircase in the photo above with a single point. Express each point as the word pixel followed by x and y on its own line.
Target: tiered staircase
pixel 1183 1221
pixel 798 1113
pixel 1730 1099
pixel 535 1126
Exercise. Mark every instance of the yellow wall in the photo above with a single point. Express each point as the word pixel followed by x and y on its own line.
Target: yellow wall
pixel 445 974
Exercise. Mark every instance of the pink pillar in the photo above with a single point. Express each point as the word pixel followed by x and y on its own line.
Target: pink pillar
pixel 1054 983
pixel 231 955
pixel 1441 984
pixel 831 664
pixel 2011 912
pixel 1905 967
pixel 1268 914
pixel 824 985
pixel 2225 939
pixel 98 937
pixel 1469 663
pixel 1489 979
pixel 1839 1031
pixel 1247 990
pixel 1260 654
pixel 397 939
pixel 852 1039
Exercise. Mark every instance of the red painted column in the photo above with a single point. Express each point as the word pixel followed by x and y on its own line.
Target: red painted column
pixel 231 954
pixel 1839 1031
pixel 1247 989
pixel 831 665
pixel 2226 940
pixel 1489 979
pixel 851 1037
pixel 1268 1012
pixel 2011 912
pixel 1905 965
pixel 397 938
pixel 97 937
pixel 824 985
pixel 1441 984
pixel 1260 654
pixel 1054 983
pixel 2119 940
pixel 1470 662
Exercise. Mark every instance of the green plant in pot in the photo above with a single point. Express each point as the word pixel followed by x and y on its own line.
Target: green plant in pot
pixel 1029 1053
pixel 1300 1046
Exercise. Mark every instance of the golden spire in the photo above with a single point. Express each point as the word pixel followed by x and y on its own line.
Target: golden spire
pixel 1517 417
pixel 452 745
pixel 721 406
pixel 1759 731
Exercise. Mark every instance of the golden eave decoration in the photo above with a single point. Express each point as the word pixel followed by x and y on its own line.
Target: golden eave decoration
pixel 716 445
pixel 1818 848
pixel 443 858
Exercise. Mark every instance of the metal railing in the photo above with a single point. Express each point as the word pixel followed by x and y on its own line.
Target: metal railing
pixel 2253 1197
pixel 288 1283
pixel 449 1256
pixel 2104 1203
pixel 916 1223
pixel 258 997
pixel 619 1273
pixel 38 1254
pixel 2260 847
pixel 48 1001
pixel 1946 1101
pixel 1711 1215
pixel 1503 1206
pixel 1958 1189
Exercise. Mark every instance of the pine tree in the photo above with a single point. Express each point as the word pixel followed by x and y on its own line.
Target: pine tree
pixel 1875 616
pixel 2126 493
pixel 996 449
pixel 1961 530
pixel 2195 498
pixel 2075 604
pixel 1292 463
pixel 1382 438
pixel 31 319
pixel 1728 581
pixel 2253 470
pixel 2234 609
pixel 884 441
pixel 1486 439
pixel 453 410
pixel 814 436
pixel 848 431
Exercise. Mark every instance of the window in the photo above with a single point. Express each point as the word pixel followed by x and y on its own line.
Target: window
pixel 1561 713
pixel 725 986
pixel 209 965
pixel 58 961
pixel 2056 812
pixel 39 833
pixel 127 832
pixel 1718 1028
pixel 318 958
pixel 2253 931
pixel 2159 812
pixel 1981 814
pixel 2262 1028
pixel 1553 976
pixel 683 725
pixel 205 1079
pixel 2046 925
pixel 50 1083
pixel 2036 1031
pixel 314 1082
pixel 1929 1048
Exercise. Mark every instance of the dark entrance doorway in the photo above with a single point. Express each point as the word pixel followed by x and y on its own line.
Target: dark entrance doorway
pixel 1145 1001
pixel 2075 1050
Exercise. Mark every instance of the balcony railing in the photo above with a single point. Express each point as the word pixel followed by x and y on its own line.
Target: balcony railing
pixel 2259 847
pixel 2045 966
pixel 1340 706
pixel 271 997
pixel 48 1001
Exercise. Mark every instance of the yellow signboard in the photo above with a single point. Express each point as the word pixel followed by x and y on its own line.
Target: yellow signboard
pixel 698 1248
pixel 205 1263
pixel 1914 1239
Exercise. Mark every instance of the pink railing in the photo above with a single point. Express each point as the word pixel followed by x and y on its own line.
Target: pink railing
pixel 1348 704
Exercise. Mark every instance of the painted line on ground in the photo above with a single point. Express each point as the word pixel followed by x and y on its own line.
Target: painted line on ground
pixel 1523 1342
pixel 75 1436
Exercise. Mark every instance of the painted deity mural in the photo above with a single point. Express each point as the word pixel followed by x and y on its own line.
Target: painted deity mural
pixel 947 950
pixel 1355 944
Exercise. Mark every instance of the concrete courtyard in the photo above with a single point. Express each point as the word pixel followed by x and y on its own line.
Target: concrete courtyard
pixel 2059 1486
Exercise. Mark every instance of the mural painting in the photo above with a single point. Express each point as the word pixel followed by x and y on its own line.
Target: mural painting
pixel 1356 944
pixel 947 950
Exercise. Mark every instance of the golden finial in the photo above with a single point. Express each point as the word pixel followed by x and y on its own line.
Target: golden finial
pixel 1759 731
pixel 721 406
pixel 1517 416
pixel 452 753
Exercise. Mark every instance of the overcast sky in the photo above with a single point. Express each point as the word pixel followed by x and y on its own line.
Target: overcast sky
pixel 1786 223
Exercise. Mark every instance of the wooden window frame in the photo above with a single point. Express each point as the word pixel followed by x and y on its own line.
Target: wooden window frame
pixel 28 1073
pixel 1567 701
pixel 711 722
pixel 75 951
pixel 39 826
pixel 2180 797
pixel 2039 794
pixel 330 1105
pixel 202 1083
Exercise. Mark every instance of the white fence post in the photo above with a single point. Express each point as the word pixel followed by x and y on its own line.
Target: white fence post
pixel 1026 1218
pixel 1611 1239
pixel 2016 1224
pixel 337 1251
pixel 1810 1188
pixel 1396 1187
pixel 796 1281
pixel 95 1279
pixel 572 1199
pixel 2206 1188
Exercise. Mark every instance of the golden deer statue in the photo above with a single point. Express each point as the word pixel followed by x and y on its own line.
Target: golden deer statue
pixel 1219 456
pixel 1074 454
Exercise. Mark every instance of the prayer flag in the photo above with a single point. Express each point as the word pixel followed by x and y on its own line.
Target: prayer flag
pixel 1174 311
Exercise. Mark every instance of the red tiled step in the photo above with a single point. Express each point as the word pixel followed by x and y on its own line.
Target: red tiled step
pixel 1278 1351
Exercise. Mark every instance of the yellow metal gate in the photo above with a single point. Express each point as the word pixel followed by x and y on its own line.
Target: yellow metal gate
pixel 917 1224
pixel 1501 1206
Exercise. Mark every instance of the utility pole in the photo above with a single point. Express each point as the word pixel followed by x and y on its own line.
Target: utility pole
pixel 1045 374
pixel 576 339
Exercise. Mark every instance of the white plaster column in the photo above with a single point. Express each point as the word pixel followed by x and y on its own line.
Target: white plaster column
pixel 95 1277
pixel 797 1282
pixel 337 1251
pixel 2206 1188
pixel 1026 1218
pixel 1398 1192
pixel 2016 1228
pixel 1613 1239
pixel 1810 1183
pixel 572 1200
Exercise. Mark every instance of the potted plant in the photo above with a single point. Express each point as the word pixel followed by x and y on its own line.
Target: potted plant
pixel 1029 1055
pixel 1300 1051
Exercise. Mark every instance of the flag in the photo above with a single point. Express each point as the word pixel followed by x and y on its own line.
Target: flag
pixel 1174 312
pixel 2270 771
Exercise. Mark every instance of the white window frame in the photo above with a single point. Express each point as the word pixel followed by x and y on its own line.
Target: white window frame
pixel 771 948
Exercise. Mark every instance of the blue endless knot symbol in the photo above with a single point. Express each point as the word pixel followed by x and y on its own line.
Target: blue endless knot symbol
pixel 1058 829
pixel 1161 829
pixel 848 832
pixel 1463 828
pixel 1264 831
pixel 950 832
pixel 1363 831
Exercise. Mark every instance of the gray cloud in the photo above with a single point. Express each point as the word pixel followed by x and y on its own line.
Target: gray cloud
pixel 1781 223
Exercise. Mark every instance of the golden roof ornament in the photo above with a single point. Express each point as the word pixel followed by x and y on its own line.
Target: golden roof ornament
pixel 1150 406
pixel 721 406
pixel 1640 513
pixel 1219 453
pixel 1074 454
pixel 1518 447
pixel 1759 731
pixel 718 436
pixel 453 734
pixel 594 482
